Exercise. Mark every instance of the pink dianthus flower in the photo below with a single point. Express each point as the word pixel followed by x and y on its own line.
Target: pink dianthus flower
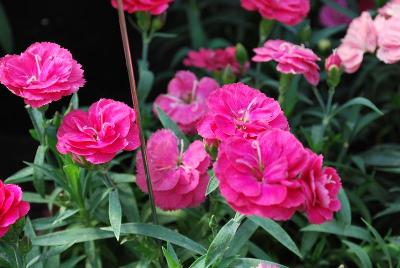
pixel 321 186
pixel 155 7
pixel 44 73
pixel 239 110
pixel 12 208
pixel 289 12
pixel 261 177
pixel 291 59
pixel 179 179
pixel 99 134
pixel 361 37
pixel 388 39
pixel 214 60
pixel 185 102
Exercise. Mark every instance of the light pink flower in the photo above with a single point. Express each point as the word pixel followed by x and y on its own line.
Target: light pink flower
pixel 12 208
pixel 261 177
pixel 185 102
pixel 155 7
pixel 321 186
pixel 267 265
pixel 388 39
pixel 99 134
pixel 290 12
pixel 391 9
pixel 291 59
pixel 44 73
pixel 329 17
pixel 239 110
pixel 333 61
pixel 215 60
pixel 179 179
pixel 361 37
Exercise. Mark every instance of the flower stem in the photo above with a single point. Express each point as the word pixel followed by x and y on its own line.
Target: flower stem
pixel 135 101
pixel 285 82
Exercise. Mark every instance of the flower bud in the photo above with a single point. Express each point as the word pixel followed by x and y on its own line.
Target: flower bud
pixel 333 68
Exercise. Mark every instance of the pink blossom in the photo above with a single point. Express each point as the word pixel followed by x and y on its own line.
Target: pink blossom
pixel 292 59
pixel 179 178
pixel 44 73
pixel 214 60
pixel 261 177
pixel 389 39
pixel 155 7
pixel 12 208
pixel 391 9
pixel 321 186
pixel 185 102
pixel 290 12
pixel 333 61
pixel 361 37
pixel 267 265
pixel 239 110
pixel 329 17
pixel 99 134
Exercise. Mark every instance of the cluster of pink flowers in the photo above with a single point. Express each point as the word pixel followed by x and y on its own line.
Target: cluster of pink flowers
pixel 98 135
pixel 291 59
pixel 289 12
pixel 44 73
pixel 185 102
pixel 179 177
pixel 367 35
pixel 262 168
pixel 215 60
pixel 154 7
pixel 12 208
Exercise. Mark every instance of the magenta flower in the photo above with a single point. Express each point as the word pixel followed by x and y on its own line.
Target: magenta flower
pixel 44 73
pixel 261 177
pixel 98 135
pixel 289 12
pixel 155 7
pixel 214 60
pixel 329 17
pixel 185 102
pixel 321 186
pixel 179 179
pixel 361 37
pixel 239 110
pixel 333 61
pixel 12 208
pixel 291 59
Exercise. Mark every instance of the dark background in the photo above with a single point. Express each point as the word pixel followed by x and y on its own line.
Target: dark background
pixel 89 29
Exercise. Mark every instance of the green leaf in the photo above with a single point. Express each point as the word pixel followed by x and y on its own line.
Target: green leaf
pixel 170 124
pixel 65 215
pixel 344 215
pixel 199 262
pixel 122 178
pixel 360 253
pixel 146 81
pixel 38 181
pixel 334 227
pixel 243 235
pixel 360 101
pixel 50 253
pixel 170 256
pixel 115 212
pixel 276 231
pixel 212 184
pixel 72 173
pixel 393 208
pixel 38 123
pixel 326 33
pixel 221 242
pixel 6 38
pixel 34 198
pixel 381 242
pixel 23 175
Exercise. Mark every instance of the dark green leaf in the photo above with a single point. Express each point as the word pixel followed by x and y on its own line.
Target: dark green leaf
pixel 360 253
pixel 115 212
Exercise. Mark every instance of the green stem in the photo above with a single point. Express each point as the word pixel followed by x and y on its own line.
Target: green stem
pixel 285 82
pixel 146 39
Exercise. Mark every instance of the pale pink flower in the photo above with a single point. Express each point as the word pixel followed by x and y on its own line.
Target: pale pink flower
pixel 215 60
pixel 329 17
pixel 179 178
pixel 388 39
pixel 12 208
pixel 185 102
pixel 99 134
pixel 361 37
pixel 44 73
pixel 291 59
pixel 155 7
pixel 333 61
pixel 239 110
pixel 261 177
pixel 321 186
pixel 267 265
pixel 391 9
pixel 290 12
